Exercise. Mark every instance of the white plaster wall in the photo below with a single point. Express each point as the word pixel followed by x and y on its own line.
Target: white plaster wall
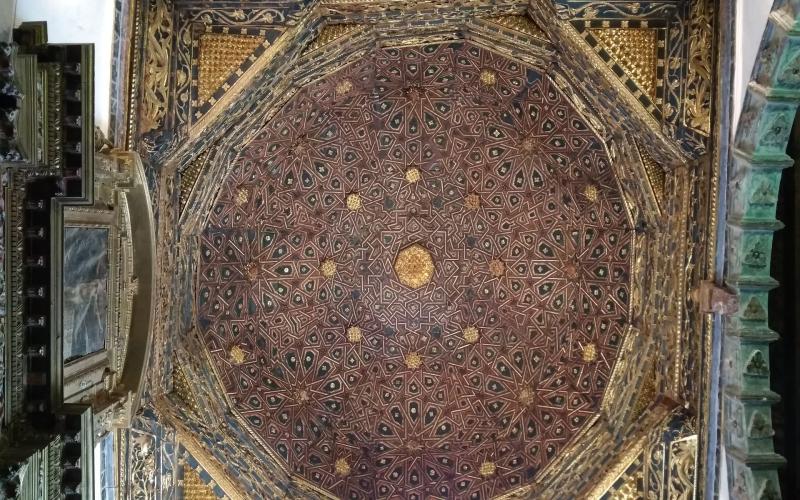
pixel 751 19
pixel 78 21
pixel 6 19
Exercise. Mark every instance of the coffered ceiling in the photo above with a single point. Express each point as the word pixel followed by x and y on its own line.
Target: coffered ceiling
pixel 430 249
pixel 415 279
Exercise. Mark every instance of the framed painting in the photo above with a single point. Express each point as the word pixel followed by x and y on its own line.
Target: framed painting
pixel 89 279
pixel 85 290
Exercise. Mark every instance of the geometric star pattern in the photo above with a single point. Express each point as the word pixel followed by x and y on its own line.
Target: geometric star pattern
pixel 468 385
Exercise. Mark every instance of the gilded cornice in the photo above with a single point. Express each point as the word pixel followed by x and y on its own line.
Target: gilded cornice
pixel 656 176
pixel 329 34
pixel 521 23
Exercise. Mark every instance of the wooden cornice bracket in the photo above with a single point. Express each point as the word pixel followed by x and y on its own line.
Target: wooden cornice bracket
pixel 716 299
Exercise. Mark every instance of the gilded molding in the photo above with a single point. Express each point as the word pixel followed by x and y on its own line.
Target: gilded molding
pixel 521 23
pixel 683 467
pixel 330 34
pixel 656 176
pixel 135 72
pixel 188 178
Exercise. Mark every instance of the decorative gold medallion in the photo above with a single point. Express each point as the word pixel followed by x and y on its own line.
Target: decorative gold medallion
pixel 571 270
pixel 472 201
pixel 342 467
pixel 413 175
pixel 237 355
pixel 471 334
pixel 591 192
pixel 413 361
pixel 487 469
pixel 242 196
pixel 414 266
pixel 354 334
pixel 526 396
pixel 528 145
pixel 497 268
pixel 589 353
pixel 353 201
pixel 488 77
pixel 344 87
pixel 328 268
pixel 253 270
pixel 302 396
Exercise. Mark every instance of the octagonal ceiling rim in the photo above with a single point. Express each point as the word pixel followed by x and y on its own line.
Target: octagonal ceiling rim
pixel 233 408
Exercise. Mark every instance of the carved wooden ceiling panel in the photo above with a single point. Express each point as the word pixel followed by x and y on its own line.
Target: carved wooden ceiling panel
pixel 416 277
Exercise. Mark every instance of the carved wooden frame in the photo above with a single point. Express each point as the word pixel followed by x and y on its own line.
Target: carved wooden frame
pixel 96 218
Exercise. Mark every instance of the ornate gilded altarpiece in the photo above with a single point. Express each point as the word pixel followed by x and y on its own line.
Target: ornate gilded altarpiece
pixel 429 249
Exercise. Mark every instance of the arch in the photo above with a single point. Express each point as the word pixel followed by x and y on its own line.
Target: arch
pixel 757 162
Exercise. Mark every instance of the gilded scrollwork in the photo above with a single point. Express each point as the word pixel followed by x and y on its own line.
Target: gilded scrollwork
pixel 699 84
pixel 156 67
pixel 628 10
pixel 682 468
pixel 142 462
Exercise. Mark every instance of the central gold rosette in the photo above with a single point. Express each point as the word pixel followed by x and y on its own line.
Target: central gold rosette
pixel 414 266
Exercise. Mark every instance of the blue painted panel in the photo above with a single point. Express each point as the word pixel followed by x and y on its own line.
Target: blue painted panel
pixel 85 290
